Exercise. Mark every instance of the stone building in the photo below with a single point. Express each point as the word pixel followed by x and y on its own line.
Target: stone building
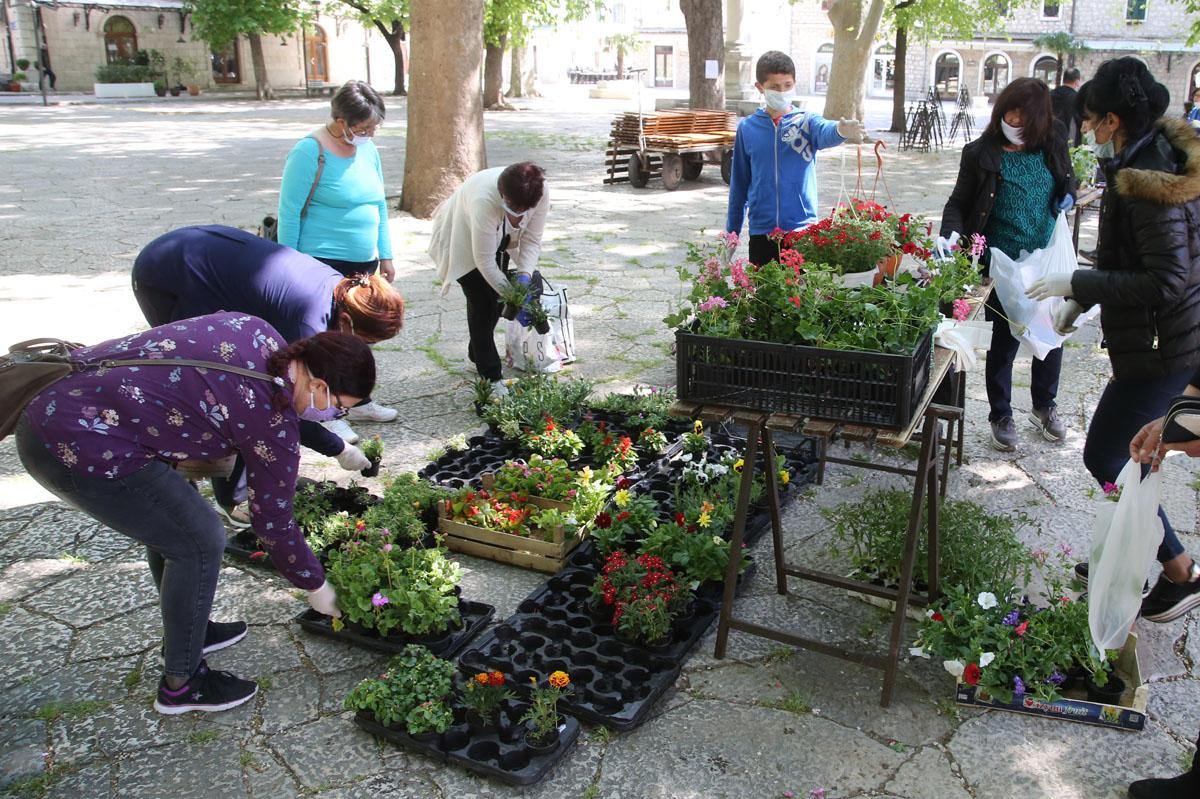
pixel 80 35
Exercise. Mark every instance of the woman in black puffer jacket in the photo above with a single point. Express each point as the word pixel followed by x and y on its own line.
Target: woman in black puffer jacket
pixel 1147 283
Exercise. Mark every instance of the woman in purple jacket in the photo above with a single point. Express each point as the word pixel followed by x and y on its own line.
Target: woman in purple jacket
pixel 104 441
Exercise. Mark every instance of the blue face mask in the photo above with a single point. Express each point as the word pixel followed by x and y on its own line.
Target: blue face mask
pixel 314 414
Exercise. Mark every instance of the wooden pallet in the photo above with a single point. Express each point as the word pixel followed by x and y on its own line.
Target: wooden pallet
pixel 616 162
pixel 671 129
pixel 517 550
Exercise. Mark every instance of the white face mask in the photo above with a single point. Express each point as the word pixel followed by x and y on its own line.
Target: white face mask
pixel 356 141
pixel 1013 134
pixel 519 216
pixel 779 101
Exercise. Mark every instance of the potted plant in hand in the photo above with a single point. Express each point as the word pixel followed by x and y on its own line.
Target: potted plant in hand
pixel 513 298
pixel 482 696
pixel 542 719
pixel 373 449
pixel 539 317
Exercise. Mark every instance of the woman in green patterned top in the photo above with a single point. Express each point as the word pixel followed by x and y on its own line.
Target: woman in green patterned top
pixel 1012 182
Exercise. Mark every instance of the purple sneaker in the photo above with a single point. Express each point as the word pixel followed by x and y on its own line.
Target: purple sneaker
pixel 207 690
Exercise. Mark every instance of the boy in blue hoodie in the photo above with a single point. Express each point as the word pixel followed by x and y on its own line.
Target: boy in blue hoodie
pixel 773 156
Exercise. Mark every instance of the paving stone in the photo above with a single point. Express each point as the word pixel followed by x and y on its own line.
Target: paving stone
pixel 264 650
pixel 127 634
pixel 20 579
pixel 22 750
pixel 97 593
pixel 392 785
pixel 328 751
pixel 264 776
pixel 52 535
pixel 93 781
pixel 1174 704
pixel 254 599
pixel 292 699
pixel 43 645
pixel 127 726
pixel 97 681
pixel 928 773
pixel 331 656
pixel 698 746
pixel 335 687
pixel 1156 649
pixel 1003 755
pixel 210 768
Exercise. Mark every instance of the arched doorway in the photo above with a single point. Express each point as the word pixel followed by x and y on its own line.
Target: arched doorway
pixel 994 75
pixel 821 65
pixel 947 72
pixel 120 41
pixel 317 61
pixel 883 70
pixel 1046 68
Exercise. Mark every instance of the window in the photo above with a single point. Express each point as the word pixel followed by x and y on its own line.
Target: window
pixel 995 74
pixel 1003 7
pixel 1050 9
pixel 664 65
pixel 225 65
pixel 1135 10
pixel 317 66
pixel 946 72
pixel 120 41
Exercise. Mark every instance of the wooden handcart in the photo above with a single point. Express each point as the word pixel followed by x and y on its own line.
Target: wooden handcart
pixel 673 145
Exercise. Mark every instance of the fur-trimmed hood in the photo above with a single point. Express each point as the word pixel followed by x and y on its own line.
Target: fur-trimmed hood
pixel 1154 180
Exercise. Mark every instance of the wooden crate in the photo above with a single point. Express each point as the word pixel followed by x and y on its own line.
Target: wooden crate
pixel 517 550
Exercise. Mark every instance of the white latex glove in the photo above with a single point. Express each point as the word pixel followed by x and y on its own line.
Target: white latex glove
pixel 323 600
pixel 1056 285
pixel 944 246
pixel 1065 316
pixel 851 130
pixel 352 459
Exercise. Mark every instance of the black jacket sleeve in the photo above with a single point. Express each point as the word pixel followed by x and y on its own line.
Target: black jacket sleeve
pixel 965 195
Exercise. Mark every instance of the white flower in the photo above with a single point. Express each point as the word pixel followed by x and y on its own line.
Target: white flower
pixel 986 658
pixel 955 667
pixel 918 652
pixel 987 600
pixel 929 614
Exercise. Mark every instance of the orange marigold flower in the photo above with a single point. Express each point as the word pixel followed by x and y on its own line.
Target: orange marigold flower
pixel 482 678
pixel 560 679
pixel 496 678
pixel 360 525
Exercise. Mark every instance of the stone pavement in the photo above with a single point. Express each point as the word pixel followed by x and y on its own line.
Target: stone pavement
pixel 86 186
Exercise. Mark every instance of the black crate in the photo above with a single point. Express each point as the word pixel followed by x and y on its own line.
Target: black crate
pixel 841 385
pixel 475 616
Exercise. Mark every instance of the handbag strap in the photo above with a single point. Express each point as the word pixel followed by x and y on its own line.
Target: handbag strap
pixel 43 345
pixel 317 178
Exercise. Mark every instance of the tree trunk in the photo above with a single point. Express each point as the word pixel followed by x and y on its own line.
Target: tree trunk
pixel 705 43
pixel 395 36
pixel 493 73
pixel 620 63
pixel 262 87
pixel 1058 75
pixel 445 138
pixel 518 84
pixel 853 33
pixel 900 84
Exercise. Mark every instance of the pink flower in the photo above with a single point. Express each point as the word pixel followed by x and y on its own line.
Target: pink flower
pixel 737 271
pixel 962 309
pixel 713 302
pixel 1111 488
pixel 379 600
pixel 387 547
pixel 977 242
pixel 730 239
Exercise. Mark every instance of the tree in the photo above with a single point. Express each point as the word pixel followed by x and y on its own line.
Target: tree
pixel 509 23
pixel 854 30
pixel 705 43
pixel 521 79
pixel 390 18
pixel 220 22
pixel 622 43
pixel 1061 44
pixel 1193 7
pixel 445 111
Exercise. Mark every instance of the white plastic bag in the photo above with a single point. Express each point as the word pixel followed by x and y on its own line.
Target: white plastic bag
pixel 1032 321
pixel 1127 536
pixel 545 353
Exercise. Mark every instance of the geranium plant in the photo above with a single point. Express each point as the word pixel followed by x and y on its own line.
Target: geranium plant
pixel 414 689
pixel 617 451
pixel 645 590
pixel 551 478
pixel 652 441
pixel 552 440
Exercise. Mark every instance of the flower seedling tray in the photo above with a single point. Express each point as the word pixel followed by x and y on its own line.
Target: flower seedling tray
pixel 841 385
pixel 517 550
pixel 500 754
pixel 614 683
pixel 1129 716
pixel 475 616
pixel 565 598
pixel 485 453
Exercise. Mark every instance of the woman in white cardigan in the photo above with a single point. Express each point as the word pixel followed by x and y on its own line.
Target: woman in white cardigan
pixel 494 219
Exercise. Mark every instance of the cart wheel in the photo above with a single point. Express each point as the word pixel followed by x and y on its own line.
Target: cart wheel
pixel 639 176
pixel 692 164
pixel 726 165
pixel 672 171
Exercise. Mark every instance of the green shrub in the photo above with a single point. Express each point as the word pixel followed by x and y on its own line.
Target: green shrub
pixel 124 73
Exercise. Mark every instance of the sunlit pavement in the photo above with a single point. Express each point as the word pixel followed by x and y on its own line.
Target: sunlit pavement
pixel 85 186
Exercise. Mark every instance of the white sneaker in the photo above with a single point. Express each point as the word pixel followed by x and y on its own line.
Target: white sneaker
pixel 499 389
pixel 343 429
pixel 373 412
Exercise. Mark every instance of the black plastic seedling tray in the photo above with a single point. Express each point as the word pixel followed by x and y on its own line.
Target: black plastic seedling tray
pixel 458 468
pixel 566 598
pixel 498 753
pixel 613 683
pixel 475 616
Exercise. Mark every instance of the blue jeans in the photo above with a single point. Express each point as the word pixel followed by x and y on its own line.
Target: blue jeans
pixel 998 369
pixel 1124 408
pixel 184 537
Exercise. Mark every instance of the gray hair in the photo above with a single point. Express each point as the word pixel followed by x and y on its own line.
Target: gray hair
pixel 356 102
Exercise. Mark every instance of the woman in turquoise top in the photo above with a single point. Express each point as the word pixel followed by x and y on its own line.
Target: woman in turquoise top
pixel 1012 182
pixel 345 225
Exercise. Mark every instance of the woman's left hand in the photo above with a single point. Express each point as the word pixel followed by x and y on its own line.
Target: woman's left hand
pixel 387 270
pixel 1056 285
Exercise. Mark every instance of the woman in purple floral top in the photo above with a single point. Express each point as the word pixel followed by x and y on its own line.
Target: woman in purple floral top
pixel 103 440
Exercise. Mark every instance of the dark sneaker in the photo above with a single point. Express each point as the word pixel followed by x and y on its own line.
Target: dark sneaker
pixel 1168 601
pixel 219 635
pixel 1185 786
pixel 1048 424
pixel 1081 574
pixel 1004 434
pixel 207 691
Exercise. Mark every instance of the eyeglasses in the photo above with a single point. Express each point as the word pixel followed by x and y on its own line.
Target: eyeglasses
pixel 343 411
pixel 368 130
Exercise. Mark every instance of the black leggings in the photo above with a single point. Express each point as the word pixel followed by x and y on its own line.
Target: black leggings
pixel 350 268
pixel 483 313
